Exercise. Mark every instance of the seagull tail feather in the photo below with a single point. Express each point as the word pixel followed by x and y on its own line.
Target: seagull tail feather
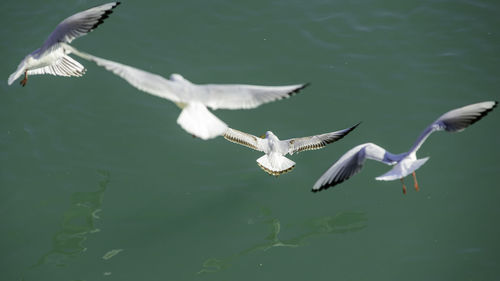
pixel 275 164
pixel 402 169
pixel 199 122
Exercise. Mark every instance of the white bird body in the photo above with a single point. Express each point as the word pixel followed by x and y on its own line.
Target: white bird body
pixel 405 163
pixel 193 98
pixel 403 167
pixel 274 161
pixel 39 59
pixel 52 58
pixel 275 145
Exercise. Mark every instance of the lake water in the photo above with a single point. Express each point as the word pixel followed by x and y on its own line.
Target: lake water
pixel 98 182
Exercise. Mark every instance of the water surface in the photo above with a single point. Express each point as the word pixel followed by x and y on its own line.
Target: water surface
pixel 98 182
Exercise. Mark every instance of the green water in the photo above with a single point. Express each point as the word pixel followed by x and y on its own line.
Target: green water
pixel 98 182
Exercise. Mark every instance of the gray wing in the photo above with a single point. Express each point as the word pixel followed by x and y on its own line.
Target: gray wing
pixel 459 119
pixel 349 164
pixel 316 142
pixel 79 24
pixel 240 96
pixel 456 120
pixel 245 139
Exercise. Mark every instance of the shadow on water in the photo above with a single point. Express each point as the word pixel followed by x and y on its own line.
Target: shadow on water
pixel 78 222
pixel 340 223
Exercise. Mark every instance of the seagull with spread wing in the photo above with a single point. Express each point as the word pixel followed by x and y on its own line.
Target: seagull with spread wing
pixel 52 58
pixel 405 163
pixel 274 161
pixel 194 99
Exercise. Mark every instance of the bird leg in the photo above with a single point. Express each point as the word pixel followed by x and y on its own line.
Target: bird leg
pixel 415 181
pixel 25 80
pixel 404 187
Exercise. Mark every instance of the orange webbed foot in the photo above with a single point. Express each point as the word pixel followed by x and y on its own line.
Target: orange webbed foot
pixel 25 80
pixel 417 188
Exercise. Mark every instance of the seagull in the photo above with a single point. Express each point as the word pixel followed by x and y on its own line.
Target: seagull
pixel 274 161
pixel 194 99
pixel 52 58
pixel 405 163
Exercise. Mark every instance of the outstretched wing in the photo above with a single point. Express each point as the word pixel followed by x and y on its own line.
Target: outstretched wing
pixel 349 164
pixel 459 119
pixel 244 139
pixel 145 81
pixel 79 24
pixel 456 120
pixel 234 96
pixel 180 90
pixel 316 142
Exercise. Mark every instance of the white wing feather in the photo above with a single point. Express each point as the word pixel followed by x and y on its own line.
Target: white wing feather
pixel 145 81
pixel 217 96
pixel 66 66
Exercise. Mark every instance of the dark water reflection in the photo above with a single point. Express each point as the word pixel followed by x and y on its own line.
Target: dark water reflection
pixel 339 223
pixel 77 224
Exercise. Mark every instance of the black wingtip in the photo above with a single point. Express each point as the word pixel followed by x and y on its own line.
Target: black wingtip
pixel 104 16
pixel 323 187
pixel 298 89
pixel 347 131
pixel 354 127
pixel 307 84
pixel 331 184
pixel 484 113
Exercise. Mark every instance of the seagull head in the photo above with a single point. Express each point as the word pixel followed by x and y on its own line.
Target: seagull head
pixel 177 77
pixel 267 135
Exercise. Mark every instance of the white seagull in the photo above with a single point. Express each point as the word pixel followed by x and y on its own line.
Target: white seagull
pixel 405 163
pixel 194 99
pixel 274 161
pixel 52 58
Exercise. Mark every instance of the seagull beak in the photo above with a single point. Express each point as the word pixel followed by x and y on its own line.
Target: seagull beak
pixel 263 136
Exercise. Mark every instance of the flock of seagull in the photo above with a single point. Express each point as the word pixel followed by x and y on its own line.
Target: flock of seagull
pixel 195 118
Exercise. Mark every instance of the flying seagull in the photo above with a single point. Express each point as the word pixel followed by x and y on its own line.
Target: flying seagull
pixel 52 58
pixel 194 99
pixel 274 161
pixel 405 163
